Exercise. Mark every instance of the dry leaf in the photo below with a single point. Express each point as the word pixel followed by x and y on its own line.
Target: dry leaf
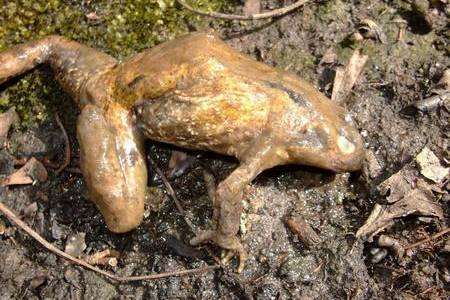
pixel 6 120
pixel 31 171
pixel 75 244
pixel 398 185
pixel 372 168
pixel 178 164
pixel 356 37
pixel 38 280
pixel 92 16
pixel 407 196
pixel 303 230
pixel 346 78
pixel 430 166
pixel 329 57
pixel 415 202
pixel 444 82
pixel 103 258
pixel 369 29
pixel 30 210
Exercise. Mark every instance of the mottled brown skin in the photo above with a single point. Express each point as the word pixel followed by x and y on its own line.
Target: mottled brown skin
pixel 195 92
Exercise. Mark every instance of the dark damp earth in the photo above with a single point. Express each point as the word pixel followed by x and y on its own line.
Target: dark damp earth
pixel 398 74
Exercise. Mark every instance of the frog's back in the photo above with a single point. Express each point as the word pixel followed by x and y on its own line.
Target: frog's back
pixel 196 101
pixel 197 92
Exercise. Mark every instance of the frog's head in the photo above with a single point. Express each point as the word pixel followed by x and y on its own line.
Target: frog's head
pixel 329 143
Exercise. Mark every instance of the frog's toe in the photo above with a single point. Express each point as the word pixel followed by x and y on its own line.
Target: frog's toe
pixel 241 254
pixel 227 255
pixel 230 243
pixel 202 237
pixel 235 248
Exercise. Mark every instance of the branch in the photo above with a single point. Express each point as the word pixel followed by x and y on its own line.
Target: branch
pixel 430 238
pixel 67 151
pixel 172 194
pixel 16 220
pixel 270 14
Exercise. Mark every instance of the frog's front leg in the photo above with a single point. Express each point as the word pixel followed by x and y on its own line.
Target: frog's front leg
pixel 113 164
pixel 227 201
pixel 73 63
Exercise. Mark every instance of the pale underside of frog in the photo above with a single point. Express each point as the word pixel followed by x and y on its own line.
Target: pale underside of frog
pixel 194 92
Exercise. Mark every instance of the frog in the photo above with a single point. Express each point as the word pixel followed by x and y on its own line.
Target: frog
pixel 194 92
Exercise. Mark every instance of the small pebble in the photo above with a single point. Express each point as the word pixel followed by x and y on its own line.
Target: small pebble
pixel 378 255
pixel 38 280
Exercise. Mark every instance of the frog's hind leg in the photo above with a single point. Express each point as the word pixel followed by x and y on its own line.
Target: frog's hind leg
pixel 113 165
pixel 72 62
pixel 228 197
pixel 22 58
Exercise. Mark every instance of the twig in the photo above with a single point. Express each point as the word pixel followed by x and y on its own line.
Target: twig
pixel 74 170
pixel 303 230
pixel 270 14
pixel 427 290
pixel 209 180
pixel 433 102
pixel 345 78
pixel 172 194
pixel 66 161
pixel 433 237
pixel 22 225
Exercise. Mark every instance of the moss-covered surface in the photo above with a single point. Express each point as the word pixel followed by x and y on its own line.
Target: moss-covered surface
pixel 119 28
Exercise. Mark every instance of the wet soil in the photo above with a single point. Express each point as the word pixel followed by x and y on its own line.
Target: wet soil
pixel 279 266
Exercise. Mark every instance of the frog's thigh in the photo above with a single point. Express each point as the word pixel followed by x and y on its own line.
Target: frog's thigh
pixel 113 165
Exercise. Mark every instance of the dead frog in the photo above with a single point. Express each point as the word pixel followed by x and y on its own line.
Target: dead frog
pixel 195 92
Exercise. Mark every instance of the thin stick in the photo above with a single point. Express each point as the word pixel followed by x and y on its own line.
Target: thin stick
pixel 66 161
pixel 433 237
pixel 270 14
pixel 22 225
pixel 172 194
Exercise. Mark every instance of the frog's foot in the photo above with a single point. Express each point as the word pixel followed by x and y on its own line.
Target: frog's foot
pixel 227 242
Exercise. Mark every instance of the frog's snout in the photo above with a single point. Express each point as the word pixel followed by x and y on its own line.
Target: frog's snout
pixel 348 164
pixel 351 152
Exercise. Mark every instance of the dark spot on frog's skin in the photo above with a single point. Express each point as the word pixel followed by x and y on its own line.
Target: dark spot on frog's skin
pixel 316 138
pixel 297 98
pixel 138 108
pixel 134 157
pixel 135 81
pixel 322 136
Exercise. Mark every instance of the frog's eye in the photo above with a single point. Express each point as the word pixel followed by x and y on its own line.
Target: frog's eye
pixel 344 145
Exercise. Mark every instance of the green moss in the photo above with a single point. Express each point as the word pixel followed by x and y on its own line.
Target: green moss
pixel 295 60
pixel 119 27
pixel 333 11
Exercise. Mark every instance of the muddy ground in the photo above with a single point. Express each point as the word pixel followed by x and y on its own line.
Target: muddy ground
pixel 398 74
